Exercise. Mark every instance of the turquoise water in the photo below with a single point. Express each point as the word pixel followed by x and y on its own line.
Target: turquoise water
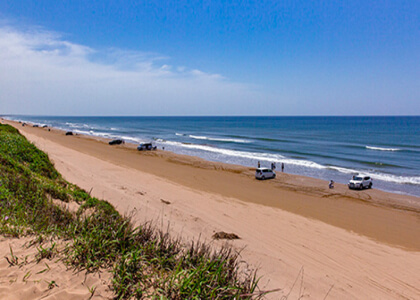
pixel 387 148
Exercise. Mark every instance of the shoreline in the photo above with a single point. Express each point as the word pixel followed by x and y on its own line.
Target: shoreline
pixel 310 185
pixel 393 169
pixel 350 244
pixel 305 196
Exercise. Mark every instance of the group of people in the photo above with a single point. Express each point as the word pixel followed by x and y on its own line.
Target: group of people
pixel 273 166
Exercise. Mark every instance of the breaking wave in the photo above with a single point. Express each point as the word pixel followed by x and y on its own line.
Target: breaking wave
pixel 382 149
pixel 215 139
pixel 277 158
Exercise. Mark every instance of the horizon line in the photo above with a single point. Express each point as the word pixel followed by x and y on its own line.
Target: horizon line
pixel 201 116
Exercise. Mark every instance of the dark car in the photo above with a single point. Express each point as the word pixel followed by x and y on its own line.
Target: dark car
pixel 116 142
pixel 146 146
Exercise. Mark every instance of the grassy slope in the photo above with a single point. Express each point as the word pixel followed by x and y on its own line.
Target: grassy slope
pixel 146 262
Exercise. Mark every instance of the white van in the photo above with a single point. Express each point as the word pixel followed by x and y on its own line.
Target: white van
pixel 264 173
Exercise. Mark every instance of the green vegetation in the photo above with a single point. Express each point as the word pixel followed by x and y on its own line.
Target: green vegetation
pixel 145 261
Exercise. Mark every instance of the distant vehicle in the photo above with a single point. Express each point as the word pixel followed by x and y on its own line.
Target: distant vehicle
pixel 69 133
pixel 146 146
pixel 264 173
pixel 116 142
pixel 360 182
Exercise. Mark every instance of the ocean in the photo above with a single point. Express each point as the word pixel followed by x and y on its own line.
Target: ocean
pixel 330 148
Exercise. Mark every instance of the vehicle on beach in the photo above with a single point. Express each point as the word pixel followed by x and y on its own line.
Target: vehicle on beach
pixel 264 173
pixel 360 182
pixel 146 146
pixel 116 142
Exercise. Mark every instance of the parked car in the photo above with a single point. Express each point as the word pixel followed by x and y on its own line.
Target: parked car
pixel 360 182
pixel 116 142
pixel 264 173
pixel 146 146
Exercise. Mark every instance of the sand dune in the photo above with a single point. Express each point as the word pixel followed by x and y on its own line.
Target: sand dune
pixel 46 279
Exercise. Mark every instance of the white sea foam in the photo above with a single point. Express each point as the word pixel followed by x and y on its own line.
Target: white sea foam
pixel 110 136
pixel 85 132
pixel 107 135
pixel 277 158
pixel 343 170
pixel 132 139
pixel 216 139
pixel 38 124
pixel 254 156
pixel 103 134
pixel 94 133
pixel 382 176
pixel 415 180
pixel 76 125
pixel 198 137
pixel 382 149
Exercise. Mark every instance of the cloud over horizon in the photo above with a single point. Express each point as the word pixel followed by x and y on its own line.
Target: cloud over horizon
pixel 45 74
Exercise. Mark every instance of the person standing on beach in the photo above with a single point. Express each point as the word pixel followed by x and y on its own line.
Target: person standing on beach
pixel 259 165
pixel 273 166
pixel 282 167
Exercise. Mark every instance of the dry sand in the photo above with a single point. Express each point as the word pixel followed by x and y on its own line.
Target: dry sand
pixel 46 279
pixel 304 238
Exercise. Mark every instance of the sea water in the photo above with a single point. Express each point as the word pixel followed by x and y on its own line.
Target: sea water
pixel 330 148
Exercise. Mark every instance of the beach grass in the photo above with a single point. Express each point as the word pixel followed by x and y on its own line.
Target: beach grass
pixel 145 261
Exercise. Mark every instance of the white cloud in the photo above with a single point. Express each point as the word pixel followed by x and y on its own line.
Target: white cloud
pixel 41 73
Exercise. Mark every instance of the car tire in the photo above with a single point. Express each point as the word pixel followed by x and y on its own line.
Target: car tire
pixel 370 185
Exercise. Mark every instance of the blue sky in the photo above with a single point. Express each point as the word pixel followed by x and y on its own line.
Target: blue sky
pixel 210 57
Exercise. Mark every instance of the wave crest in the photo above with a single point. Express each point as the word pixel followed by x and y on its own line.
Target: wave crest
pixel 382 149
pixel 277 158
pixel 215 139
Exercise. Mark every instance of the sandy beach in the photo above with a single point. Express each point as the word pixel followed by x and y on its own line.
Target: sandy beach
pixel 304 238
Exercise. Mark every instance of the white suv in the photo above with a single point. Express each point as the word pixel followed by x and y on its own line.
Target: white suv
pixel 264 173
pixel 360 182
